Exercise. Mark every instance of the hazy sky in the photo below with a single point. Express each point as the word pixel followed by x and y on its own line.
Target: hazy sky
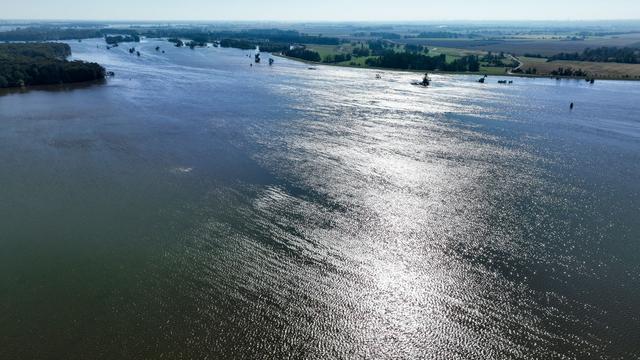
pixel 334 10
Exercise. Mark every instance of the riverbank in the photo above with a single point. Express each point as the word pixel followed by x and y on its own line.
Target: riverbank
pixel 245 196
pixel 32 64
pixel 480 73
pixel 52 87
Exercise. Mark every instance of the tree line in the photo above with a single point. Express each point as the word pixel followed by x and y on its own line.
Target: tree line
pixel 304 54
pixel 116 39
pixel 43 64
pixel 568 71
pixel 391 59
pixel 624 55
pixel 415 61
pixel 270 40
pixel 51 33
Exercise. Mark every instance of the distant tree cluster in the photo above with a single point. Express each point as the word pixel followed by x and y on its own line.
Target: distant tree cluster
pixel 469 63
pixel 568 71
pixel 495 60
pixel 338 58
pixel 415 48
pixel 361 52
pixel 386 35
pixel 43 33
pixel 43 64
pixel 116 39
pixel 238 44
pixel 379 47
pixel 444 35
pixel 194 44
pixel 624 55
pixel 36 50
pixel 304 54
pixel 246 39
pixel 273 47
pixel 53 33
pixel 177 42
pixel 413 61
pixel 244 44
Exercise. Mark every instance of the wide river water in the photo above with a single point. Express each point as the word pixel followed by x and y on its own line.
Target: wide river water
pixel 196 207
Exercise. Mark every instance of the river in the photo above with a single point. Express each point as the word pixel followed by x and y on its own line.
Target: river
pixel 197 207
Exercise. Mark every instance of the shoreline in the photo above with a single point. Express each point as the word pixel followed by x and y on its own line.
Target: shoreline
pixel 506 74
pixel 52 87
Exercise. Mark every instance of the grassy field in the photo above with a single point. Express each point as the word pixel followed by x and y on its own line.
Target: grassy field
pixel 543 68
pixel 332 50
pixel 542 46
pixel 595 69
pixel 328 50
pixel 347 48
pixel 453 53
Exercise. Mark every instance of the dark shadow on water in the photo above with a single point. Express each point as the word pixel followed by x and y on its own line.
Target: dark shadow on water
pixel 53 88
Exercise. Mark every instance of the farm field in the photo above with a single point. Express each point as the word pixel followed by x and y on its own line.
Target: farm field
pixel 451 53
pixel 544 47
pixel 595 69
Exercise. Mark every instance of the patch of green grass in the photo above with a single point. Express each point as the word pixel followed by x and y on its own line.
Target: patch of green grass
pixel 594 69
pixel 331 50
pixel 492 70
pixel 357 61
pixel 450 53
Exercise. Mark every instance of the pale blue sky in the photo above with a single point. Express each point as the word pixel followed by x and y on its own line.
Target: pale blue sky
pixel 334 10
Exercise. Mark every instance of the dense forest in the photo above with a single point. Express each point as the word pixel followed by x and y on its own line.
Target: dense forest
pixel 415 61
pixel 624 55
pixel 48 33
pixel 275 36
pixel 304 54
pixel 246 39
pixel 269 40
pixel 35 51
pixel 238 44
pixel 241 39
pixel 43 64
pixel 361 52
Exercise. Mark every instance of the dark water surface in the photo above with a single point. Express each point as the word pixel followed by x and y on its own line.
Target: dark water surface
pixel 194 207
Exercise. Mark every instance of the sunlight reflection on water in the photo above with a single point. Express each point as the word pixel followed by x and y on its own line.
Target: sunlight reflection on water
pixel 274 212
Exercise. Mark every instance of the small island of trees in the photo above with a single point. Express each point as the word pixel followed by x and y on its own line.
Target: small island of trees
pixel 43 64
pixel 116 39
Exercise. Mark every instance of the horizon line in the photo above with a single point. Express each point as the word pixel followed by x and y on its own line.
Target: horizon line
pixel 321 21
